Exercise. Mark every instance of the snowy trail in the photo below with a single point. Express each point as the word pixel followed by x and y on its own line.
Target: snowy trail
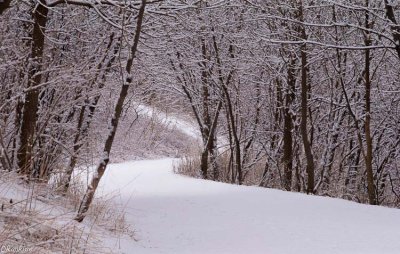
pixel 176 214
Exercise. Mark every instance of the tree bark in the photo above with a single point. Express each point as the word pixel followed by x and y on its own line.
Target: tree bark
pixel 31 104
pixel 310 168
pixel 367 125
pixel 205 96
pixel 288 128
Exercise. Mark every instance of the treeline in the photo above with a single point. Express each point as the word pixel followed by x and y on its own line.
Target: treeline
pixel 297 95
pixel 58 58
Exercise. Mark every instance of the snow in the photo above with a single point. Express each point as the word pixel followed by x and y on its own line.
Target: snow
pixel 34 219
pixel 169 120
pixel 176 214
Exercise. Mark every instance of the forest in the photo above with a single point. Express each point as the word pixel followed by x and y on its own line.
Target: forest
pixel 297 95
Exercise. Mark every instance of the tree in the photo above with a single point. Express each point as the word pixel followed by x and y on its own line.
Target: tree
pixel 89 195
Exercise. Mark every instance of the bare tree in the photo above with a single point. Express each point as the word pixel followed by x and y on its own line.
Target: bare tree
pixel 89 195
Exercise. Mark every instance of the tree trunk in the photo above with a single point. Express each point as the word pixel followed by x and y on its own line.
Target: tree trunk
pixel 89 195
pixel 236 142
pixel 310 168
pixel 205 96
pixel 31 104
pixel 288 129
pixel 367 126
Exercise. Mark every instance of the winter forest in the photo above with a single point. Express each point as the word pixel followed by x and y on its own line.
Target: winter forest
pixel 295 95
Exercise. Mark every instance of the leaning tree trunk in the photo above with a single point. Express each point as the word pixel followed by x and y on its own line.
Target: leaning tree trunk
pixel 84 122
pixel 89 195
pixel 31 104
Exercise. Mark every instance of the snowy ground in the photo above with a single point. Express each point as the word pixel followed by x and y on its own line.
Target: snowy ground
pixel 176 214
pixel 34 219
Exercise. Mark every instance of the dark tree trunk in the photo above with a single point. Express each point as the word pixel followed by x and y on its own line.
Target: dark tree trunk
pixel 205 96
pixel 310 167
pixel 367 125
pixel 236 141
pixel 31 104
pixel 288 128
pixel 4 5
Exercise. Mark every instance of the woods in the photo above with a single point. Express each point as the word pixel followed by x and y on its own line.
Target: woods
pixel 295 95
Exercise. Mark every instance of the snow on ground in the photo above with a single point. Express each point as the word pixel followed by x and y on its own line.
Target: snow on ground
pixel 34 219
pixel 176 214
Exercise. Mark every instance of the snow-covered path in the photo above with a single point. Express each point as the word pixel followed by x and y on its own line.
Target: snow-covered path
pixel 176 214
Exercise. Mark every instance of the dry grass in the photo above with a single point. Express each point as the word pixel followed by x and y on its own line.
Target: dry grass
pixel 35 217
pixel 189 165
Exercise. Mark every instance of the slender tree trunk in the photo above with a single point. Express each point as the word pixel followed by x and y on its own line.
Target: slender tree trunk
pixel 367 126
pixel 89 195
pixel 205 96
pixel 17 125
pixel 210 144
pixel 303 126
pixel 207 128
pixel 310 168
pixel 236 142
pixel 230 164
pixel 74 157
pixel 288 129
